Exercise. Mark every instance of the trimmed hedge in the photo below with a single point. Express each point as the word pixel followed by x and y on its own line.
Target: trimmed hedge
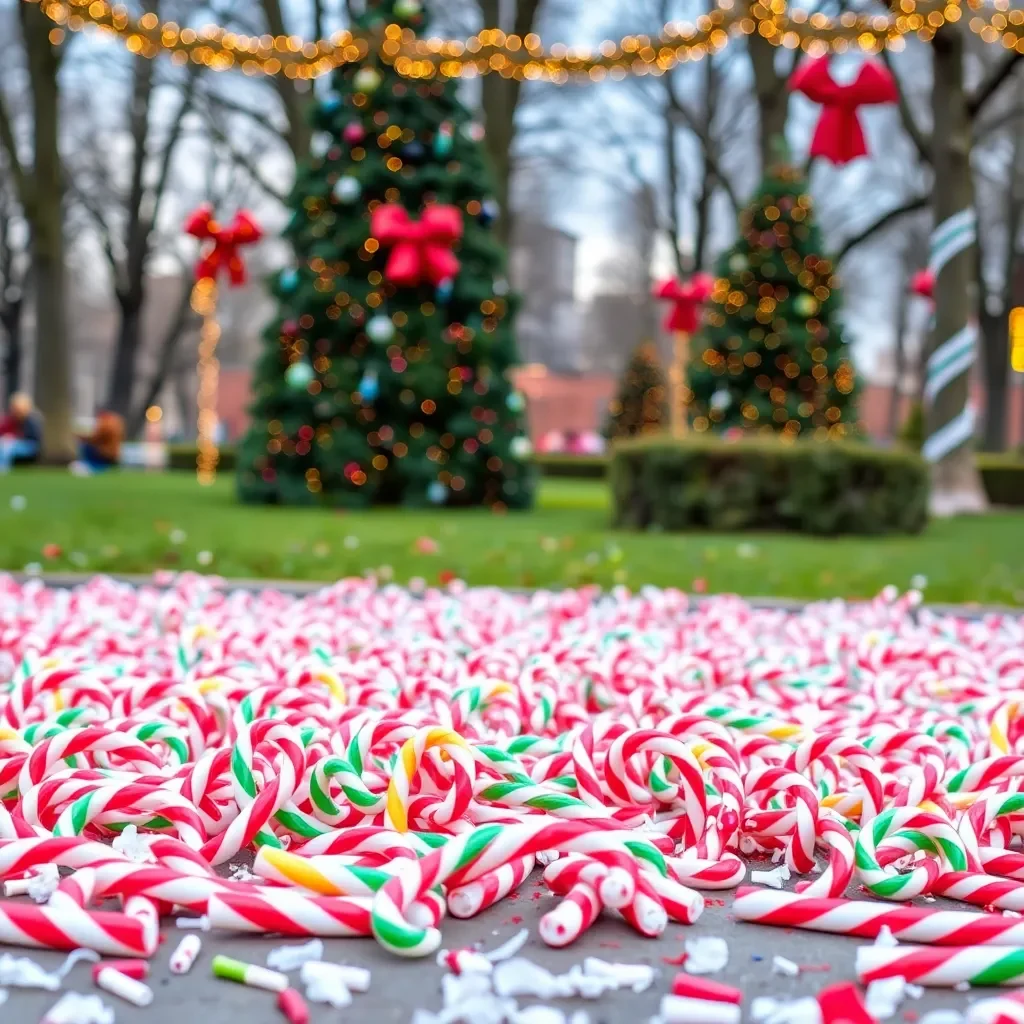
pixel 574 467
pixel 1003 476
pixel 818 487
pixel 183 456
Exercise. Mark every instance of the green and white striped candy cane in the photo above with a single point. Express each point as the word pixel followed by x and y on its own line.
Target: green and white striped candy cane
pixel 897 832
pixel 953 357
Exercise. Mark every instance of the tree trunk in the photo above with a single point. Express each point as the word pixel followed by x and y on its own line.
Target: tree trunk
pixel 45 215
pixel 956 484
pixel 291 91
pixel 122 373
pixel 10 318
pixel 500 97
pixel 899 361
pixel 168 350
pixel 672 188
pixel 772 98
pixel 995 348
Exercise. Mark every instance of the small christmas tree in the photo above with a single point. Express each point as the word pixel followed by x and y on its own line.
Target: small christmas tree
pixel 641 406
pixel 385 375
pixel 772 356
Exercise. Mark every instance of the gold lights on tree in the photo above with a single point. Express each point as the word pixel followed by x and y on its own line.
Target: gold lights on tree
pixel 492 51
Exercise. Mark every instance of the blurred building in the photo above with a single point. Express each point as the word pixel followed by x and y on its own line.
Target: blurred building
pixel 542 269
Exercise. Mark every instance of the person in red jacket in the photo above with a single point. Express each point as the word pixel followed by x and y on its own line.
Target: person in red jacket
pixel 21 434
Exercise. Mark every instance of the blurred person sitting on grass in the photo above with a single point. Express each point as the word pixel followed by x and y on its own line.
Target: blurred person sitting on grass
pixel 102 448
pixel 21 433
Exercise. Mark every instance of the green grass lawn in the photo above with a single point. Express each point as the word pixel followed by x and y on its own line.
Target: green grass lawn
pixel 135 523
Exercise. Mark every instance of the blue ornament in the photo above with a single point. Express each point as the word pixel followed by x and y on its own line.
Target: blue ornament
pixel 515 401
pixel 347 189
pixel 489 212
pixel 437 493
pixel 289 280
pixel 445 289
pixel 443 141
pixel 414 151
pixel 330 103
pixel 369 386
pixel 299 375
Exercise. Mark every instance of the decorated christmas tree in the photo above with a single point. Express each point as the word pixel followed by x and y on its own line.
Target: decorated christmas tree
pixel 772 356
pixel 385 374
pixel 641 406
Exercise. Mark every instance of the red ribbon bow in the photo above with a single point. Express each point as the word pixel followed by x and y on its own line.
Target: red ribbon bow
pixel 839 136
pixel 923 284
pixel 421 250
pixel 686 299
pixel 223 254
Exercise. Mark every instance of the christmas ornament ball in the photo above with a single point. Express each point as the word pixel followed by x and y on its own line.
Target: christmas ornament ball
pixel 330 103
pixel 299 375
pixel 516 402
pixel 289 280
pixel 738 263
pixel 406 9
pixel 320 144
pixel 445 289
pixel 437 493
pixel 369 386
pixel 367 80
pixel 347 189
pixel 521 447
pixel 805 305
pixel 414 151
pixel 354 133
pixel 489 211
pixel 380 329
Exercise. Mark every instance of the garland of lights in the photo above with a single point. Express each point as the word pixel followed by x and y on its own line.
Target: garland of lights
pixel 491 50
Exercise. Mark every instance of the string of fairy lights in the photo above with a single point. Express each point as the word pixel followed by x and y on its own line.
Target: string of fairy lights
pixel 493 51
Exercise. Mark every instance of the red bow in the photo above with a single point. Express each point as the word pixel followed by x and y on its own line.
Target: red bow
pixel 421 249
pixel 686 299
pixel 923 284
pixel 839 136
pixel 223 254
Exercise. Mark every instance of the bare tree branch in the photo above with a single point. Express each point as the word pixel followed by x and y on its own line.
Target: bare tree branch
pixel 990 84
pixel 921 140
pixel 911 205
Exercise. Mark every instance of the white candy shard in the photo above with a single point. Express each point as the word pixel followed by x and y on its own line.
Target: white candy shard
pixel 706 954
pixel 519 977
pixel 638 977
pixel 507 950
pixel 132 845
pixel 774 878
pixel 43 883
pixel 885 938
pixel 356 979
pixel 883 997
pixel 21 972
pixel 73 1008
pixel 785 967
pixel 291 958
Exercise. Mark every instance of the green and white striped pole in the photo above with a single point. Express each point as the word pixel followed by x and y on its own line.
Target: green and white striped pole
pixel 949 365
pixel 949 416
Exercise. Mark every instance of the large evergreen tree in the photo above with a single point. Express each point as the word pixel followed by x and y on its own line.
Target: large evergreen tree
pixel 378 382
pixel 772 356
pixel 641 406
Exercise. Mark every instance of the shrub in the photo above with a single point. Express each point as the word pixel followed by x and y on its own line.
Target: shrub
pixel 912 431
pixel 183 456
pixel 641 406
pixel 1003 476
pixel 574 467
pixel 820 487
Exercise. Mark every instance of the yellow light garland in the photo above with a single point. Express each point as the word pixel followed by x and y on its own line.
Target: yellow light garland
pixel 492 51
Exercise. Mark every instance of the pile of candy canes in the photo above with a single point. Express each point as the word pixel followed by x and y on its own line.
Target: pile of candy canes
pixel 391 756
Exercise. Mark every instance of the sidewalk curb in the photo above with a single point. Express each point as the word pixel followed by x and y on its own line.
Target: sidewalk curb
pixel 303 588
